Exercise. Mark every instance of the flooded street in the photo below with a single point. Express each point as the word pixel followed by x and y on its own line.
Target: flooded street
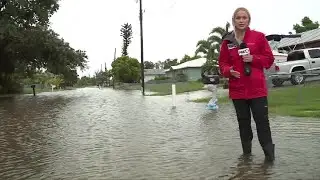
pixel 104 134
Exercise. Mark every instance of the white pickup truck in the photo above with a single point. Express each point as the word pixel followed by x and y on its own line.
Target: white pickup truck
pixel 298 61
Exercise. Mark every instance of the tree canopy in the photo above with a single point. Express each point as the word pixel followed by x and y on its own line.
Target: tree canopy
pixel 126 69
pixel 306 25
pixel 126 34
pixel 27 43
pixel 149 65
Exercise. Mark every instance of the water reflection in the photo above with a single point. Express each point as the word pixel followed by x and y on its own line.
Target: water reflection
pixel 247 169
pixel 105 134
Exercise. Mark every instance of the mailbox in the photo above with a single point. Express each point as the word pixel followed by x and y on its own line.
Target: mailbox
pixel 33 89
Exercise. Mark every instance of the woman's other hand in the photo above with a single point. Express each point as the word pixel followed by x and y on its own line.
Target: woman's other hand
pixel 234 73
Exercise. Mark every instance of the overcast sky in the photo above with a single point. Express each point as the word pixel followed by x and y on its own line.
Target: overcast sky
pixel 171 27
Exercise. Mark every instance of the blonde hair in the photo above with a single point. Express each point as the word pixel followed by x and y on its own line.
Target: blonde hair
pixel 241 9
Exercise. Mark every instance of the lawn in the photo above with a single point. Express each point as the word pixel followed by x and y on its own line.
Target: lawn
pixel 181 87
pixel 162 89
pixel 293 101
pixel 290 101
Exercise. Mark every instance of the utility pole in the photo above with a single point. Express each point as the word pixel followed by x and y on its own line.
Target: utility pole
pixel 114 58
pixel 141 39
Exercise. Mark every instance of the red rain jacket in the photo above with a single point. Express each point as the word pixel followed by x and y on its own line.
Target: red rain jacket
pixel 246 87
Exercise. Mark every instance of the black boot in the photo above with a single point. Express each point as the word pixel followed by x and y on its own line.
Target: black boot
pixel 246 147
pixel 269 152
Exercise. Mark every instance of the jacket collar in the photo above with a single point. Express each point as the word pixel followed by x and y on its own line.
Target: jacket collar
pixel 230 36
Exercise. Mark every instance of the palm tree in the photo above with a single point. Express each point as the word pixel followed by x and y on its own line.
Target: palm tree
pixel 211 47
pixel 207 48
pixel 216 38
pixel 216 35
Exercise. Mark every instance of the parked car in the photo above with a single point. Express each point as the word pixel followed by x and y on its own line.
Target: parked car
pixel 298 61
pixel 278 58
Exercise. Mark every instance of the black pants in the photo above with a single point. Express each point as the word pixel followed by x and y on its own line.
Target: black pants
pixel 259 109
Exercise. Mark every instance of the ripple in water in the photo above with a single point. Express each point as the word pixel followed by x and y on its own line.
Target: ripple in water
pixel 105 134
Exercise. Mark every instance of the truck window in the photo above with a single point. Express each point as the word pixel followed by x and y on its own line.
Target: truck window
pixel 296 55
pixel 314 53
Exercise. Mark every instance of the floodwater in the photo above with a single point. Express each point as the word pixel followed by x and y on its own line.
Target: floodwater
pixel 104 134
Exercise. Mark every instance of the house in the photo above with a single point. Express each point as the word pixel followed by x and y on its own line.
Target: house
pixel 308 39
pixel 191 70
pixel 150 74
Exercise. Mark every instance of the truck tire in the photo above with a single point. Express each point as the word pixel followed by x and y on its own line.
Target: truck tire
pixel 298 77
pixel 277 82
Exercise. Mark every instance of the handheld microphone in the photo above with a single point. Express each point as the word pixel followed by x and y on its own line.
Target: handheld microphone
pixel 244 50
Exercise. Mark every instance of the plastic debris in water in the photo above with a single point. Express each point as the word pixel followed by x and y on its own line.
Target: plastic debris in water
pixel 213 105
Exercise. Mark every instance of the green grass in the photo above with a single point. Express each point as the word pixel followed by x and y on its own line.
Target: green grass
pixel 207 99
pixel 162 89
pixel 181 87
pixel 293 101
pixel 289 101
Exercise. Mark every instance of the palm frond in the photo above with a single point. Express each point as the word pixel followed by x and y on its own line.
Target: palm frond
pixel 218 30
pixel 203 43
pixel 201 49
pixel 218 47
pixel 215 39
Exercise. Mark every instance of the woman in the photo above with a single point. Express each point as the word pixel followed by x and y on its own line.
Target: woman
pixel 248 91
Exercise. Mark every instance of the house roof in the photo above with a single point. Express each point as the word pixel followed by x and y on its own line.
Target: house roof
pixel 308 36
pixel 189 64
pixel 154 71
